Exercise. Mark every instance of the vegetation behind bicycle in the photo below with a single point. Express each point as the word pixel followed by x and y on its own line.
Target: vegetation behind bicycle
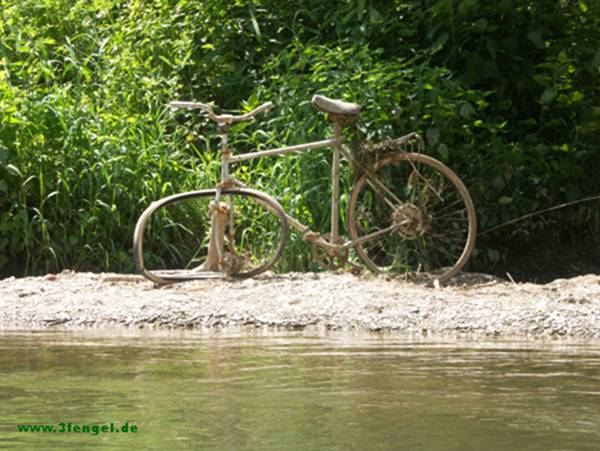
pixel 86 139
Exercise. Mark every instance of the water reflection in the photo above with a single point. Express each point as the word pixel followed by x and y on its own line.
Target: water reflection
pixel 293 391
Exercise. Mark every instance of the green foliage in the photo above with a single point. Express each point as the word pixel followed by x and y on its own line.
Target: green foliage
pixel 540 62
pixel 84 133
pixel 506 93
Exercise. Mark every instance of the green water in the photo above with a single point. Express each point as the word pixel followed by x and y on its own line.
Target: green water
pixel 293 391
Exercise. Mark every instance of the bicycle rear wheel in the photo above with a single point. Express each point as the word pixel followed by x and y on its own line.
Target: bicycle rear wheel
pixel 421 214
pixel 175 233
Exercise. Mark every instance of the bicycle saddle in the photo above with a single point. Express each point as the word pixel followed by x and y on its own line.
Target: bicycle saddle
pixel 334 106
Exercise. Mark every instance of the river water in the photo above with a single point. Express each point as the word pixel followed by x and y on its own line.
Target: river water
pixel 192 390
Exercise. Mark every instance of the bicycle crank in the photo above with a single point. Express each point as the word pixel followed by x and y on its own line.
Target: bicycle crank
pixel 326 258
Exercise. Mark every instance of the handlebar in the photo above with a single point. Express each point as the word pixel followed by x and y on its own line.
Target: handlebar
pixel 222 118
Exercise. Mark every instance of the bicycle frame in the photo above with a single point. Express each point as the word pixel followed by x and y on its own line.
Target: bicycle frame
pixel 331 246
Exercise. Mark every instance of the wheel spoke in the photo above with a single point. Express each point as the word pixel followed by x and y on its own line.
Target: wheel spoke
pixel 452 204
pixel 375 183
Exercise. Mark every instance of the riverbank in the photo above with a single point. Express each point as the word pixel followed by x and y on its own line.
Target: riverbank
pixel 473 304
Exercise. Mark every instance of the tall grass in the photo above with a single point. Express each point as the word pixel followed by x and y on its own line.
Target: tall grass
pixel 86 137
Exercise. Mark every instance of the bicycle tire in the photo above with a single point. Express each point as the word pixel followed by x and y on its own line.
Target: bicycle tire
pixel 408 194
pixel 238 198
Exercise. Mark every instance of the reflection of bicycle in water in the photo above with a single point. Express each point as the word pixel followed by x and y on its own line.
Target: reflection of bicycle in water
pixel 407 212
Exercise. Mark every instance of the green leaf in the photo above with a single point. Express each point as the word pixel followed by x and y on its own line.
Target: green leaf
pixel 596 60
pixel 466 110
pixel 443 151
pixel 439 43
pixel 375 16
pixel 361 9
pixel 498 182
pixel 255 24
pixel 433 135
pixel 491 47
pixel 577 96
pixel 505 200
pixel 535 36
pixel 14 170
pixel 548 96
pixel 466 6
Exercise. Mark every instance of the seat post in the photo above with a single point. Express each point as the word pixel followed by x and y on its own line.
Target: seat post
pixel 335 179
pixel 225 152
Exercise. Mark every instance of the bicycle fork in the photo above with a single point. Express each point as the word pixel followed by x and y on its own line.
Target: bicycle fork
pixel 220 214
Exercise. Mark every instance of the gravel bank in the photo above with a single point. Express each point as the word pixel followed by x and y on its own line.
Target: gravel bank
pixel 475 305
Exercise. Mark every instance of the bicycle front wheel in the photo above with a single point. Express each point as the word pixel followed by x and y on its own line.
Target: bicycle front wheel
pixel 173 235
pixel 418 214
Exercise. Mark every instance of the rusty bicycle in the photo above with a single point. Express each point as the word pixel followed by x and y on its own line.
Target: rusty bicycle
pixel 407 212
